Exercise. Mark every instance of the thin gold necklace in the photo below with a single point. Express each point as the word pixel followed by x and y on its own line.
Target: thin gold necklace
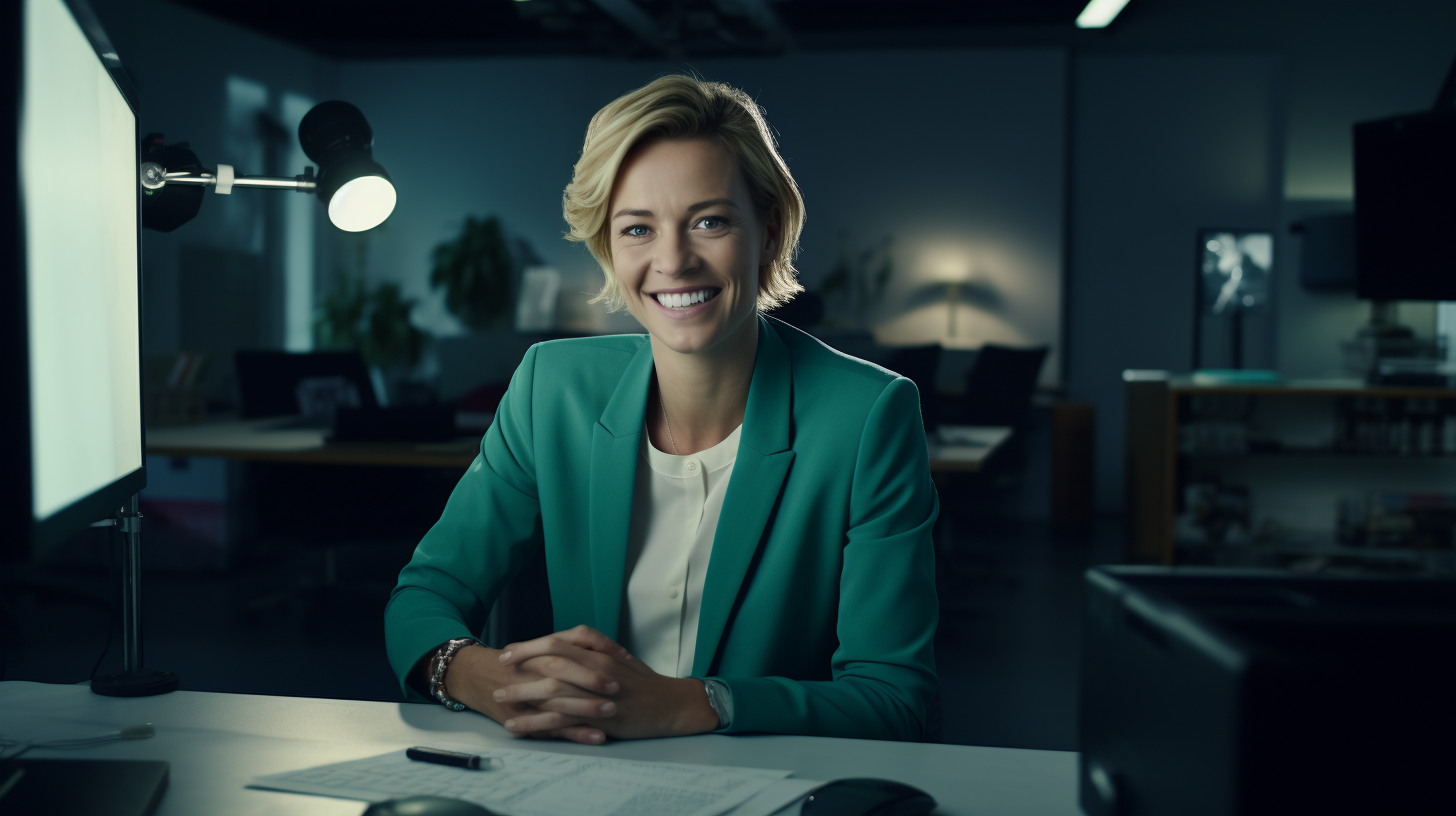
pixel 665 422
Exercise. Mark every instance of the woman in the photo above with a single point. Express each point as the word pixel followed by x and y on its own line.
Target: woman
pixel 736 518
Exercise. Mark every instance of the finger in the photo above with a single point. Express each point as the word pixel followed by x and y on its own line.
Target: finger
pixel 588 638
pixel 539 721
pixel 582 637
pixel 549 688
pixel 579 667
pixel 579 707
pixel 590 679
pixel 584 734
pixel 576 733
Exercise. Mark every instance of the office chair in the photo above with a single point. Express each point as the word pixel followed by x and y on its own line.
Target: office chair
pixel 918 364
pixel 1000 384
pixel 999 388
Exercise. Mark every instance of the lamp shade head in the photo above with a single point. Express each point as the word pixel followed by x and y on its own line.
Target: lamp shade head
pixel 355 190
pixel 334 129
pixel 362 202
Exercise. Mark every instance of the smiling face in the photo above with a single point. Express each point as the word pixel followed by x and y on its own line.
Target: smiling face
pixel 687 246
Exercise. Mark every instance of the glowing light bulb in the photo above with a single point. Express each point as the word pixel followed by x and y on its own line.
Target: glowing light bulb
pixel 362 203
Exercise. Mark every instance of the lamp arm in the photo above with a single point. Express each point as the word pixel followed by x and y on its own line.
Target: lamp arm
pixel 155 177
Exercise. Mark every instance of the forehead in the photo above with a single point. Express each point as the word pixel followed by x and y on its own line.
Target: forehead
pixel 677 172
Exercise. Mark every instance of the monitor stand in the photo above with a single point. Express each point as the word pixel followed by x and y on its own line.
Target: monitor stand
pixel 132 680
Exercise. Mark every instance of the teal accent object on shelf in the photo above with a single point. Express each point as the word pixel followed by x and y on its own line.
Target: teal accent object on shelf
pixel 1235 376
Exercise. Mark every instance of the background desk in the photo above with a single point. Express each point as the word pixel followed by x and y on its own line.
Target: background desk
pixel 261 440
pixel 216 742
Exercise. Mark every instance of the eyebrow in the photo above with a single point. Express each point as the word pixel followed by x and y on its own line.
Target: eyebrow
pixel 712 202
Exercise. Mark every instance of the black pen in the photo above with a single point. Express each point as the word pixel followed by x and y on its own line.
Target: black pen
pixel 457 760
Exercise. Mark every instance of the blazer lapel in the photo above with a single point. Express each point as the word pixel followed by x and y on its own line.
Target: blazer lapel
pixel 615 441
pixel 759 471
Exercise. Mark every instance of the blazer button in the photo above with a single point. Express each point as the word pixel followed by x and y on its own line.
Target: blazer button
pixel 672 593
pixel 692 466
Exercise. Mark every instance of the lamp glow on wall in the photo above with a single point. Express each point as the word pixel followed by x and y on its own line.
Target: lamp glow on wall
pixel 946 276
pixel 953 271
pixel 354 189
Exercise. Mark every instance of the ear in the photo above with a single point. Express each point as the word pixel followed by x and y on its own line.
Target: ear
pixel 772 234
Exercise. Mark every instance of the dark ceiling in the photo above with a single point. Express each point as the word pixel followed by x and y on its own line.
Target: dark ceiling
pixel 350 29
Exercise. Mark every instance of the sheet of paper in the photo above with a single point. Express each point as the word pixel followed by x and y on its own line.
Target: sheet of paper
pixel 539 783
pixel 780 798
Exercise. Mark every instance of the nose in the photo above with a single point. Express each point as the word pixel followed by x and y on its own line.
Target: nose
pixel 674 255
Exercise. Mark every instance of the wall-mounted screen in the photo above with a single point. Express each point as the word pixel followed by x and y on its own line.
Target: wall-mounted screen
pixel 1405 203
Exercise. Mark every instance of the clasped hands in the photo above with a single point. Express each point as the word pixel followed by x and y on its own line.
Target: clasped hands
pixel 578 685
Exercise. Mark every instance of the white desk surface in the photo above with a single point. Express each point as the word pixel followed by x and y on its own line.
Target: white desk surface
pixel 216 742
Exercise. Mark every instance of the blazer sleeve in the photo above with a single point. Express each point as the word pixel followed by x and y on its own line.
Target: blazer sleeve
pixel 489 526
pixel 884 668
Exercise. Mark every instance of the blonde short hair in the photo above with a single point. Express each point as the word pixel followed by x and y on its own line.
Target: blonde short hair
pixel 684 107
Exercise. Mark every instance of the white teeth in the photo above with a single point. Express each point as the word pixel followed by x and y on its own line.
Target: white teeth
pixel 680 301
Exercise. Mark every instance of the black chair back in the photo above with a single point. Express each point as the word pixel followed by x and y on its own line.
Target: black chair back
pixel 918 364
pixel 1000 384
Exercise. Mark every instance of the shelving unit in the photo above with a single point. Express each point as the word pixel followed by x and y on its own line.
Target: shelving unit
pixel 1291 451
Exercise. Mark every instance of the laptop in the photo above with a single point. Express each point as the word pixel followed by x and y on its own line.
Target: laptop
pixel 95 787
pixel 311 386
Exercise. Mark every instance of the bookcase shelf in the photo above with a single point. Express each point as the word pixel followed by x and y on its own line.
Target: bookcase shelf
pixel 1308 435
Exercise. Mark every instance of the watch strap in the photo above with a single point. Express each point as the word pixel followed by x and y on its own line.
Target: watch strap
pixel 720 697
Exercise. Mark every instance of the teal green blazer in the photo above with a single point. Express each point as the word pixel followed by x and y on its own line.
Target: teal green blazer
pixel 819 607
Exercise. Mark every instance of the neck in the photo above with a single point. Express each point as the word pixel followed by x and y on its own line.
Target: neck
pixel 705 394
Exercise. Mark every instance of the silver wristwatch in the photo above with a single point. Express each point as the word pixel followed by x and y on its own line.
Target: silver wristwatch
pixel 720 697
pixel 441 664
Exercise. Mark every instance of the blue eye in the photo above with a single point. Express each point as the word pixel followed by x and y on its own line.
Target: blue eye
pixel 717 222
pixel 629 231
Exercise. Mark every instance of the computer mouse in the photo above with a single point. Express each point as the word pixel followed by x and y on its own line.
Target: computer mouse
pixel 427 806
pixel 867 797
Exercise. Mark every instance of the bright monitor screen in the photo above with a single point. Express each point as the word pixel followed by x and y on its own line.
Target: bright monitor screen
pixel 78 172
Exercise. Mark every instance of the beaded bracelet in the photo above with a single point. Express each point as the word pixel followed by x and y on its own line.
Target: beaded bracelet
pixel 441 663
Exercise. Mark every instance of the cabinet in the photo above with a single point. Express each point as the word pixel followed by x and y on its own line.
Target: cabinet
pixel 1298 473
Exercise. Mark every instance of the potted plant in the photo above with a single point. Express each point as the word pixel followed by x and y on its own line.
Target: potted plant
pixel 375 321
pixel 475 270
pixel 859 281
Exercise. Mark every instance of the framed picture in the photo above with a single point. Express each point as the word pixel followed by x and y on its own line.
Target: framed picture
pixel 1232 324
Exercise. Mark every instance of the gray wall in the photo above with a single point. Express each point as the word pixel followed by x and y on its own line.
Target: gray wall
pixel 203 81
pixel 1241 114
pixel 1163 145
pixel 954 153
pixel 1183 115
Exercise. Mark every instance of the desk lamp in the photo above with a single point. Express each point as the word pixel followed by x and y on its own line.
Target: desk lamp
pixel 357 194
pixel 355 190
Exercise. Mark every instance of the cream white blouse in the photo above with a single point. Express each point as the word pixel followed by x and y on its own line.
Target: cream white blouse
pixel 676 502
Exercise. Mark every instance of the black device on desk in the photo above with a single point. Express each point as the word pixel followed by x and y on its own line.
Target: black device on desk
pixel 276 383
pixel 1217 691
pixel 868 797
pixel 427 806
pixel 95 787
pixel 332 389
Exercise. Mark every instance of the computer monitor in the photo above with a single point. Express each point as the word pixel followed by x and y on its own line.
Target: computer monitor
pixel 1405 204
pixel 69 217
pixel 269 382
